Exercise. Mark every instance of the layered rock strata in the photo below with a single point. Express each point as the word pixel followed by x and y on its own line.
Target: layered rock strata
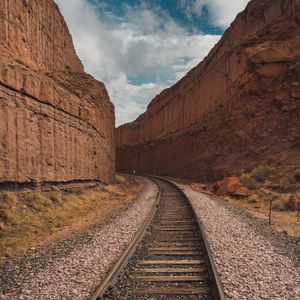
pixel 56 122
pixel 238 108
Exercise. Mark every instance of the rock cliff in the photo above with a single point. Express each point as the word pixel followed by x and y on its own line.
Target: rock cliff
pixel 56 122
pixel 238 108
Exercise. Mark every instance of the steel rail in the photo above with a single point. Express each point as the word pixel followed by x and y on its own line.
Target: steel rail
pixel 218 289
pixel 112 276
pixel 121 263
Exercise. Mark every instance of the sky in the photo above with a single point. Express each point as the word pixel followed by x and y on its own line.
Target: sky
pixel 138 48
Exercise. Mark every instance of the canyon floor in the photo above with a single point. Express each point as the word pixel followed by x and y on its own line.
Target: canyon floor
pixel 71 267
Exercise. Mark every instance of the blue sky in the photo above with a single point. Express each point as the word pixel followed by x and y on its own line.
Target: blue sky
pixel 175 10
pixel 138 48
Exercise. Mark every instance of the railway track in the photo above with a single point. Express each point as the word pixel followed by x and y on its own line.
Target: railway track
pixel 171 261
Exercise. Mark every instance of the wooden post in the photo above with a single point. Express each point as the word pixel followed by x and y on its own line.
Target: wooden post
pixel 298 209
pixel 270 212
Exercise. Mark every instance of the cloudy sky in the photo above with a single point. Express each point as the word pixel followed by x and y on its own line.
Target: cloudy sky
pixel 138 47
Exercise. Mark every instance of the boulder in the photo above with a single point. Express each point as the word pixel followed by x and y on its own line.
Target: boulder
pixel 231 186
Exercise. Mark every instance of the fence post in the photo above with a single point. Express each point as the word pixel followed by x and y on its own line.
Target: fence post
pixel 270 212
pixel 298 209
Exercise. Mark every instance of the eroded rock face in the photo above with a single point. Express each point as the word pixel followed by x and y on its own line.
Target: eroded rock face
pixel 36 32
pixel 56 122
pixel 238 108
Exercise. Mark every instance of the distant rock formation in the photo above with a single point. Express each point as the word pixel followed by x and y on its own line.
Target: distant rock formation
pixel 56 122
pixel 238 108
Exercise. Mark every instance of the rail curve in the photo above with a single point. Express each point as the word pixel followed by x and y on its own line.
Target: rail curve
pixel 169 258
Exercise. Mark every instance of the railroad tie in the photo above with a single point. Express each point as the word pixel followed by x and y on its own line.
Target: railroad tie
pixel 171 259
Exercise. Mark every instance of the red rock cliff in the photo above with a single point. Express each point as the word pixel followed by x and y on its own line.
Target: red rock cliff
pixel 238 108
pixel 56 122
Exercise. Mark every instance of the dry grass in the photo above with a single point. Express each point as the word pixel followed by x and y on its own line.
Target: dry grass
pixel 283 221
pixel 39 218
pixel 283 218
pixel 248 181
pixel 265 184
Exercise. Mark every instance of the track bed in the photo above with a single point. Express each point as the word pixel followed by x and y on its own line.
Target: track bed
pixel 171 261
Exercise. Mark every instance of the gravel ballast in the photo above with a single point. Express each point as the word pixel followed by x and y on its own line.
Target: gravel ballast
pixel 250 267
pixel 76 273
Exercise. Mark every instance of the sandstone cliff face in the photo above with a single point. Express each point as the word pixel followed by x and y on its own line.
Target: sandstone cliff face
pixel 36 32
pixel 56 122
pixel 238 108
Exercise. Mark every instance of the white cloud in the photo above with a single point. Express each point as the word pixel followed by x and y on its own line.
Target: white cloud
pixel 132 99
pixel 222 12
pixel 136 56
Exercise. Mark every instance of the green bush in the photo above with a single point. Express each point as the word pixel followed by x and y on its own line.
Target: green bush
pixel 262 173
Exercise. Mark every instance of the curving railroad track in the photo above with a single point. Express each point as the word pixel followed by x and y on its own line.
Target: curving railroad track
pixel 168 259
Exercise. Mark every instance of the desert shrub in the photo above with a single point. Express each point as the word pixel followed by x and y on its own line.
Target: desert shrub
pixel 55 197
pixel 281 205
pixel 79 191
pixel 55 189
pixel 249 182
pixel 37 201
pixel 296 174
pixel 286 185
pixel 262 173
pixel 293 202
pixel 284 204
pixel 7 200
pixel 253 199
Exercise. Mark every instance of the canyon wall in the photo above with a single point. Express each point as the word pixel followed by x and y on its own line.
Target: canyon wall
pixel 56 122
pixel 238 108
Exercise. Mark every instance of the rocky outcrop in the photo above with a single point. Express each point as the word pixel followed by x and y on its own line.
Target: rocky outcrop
pixel 230 186
pixel 56 122
pixel 238 108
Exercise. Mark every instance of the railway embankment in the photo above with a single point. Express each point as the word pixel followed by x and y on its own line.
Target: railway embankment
pixel 253 261
pixel 72 268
